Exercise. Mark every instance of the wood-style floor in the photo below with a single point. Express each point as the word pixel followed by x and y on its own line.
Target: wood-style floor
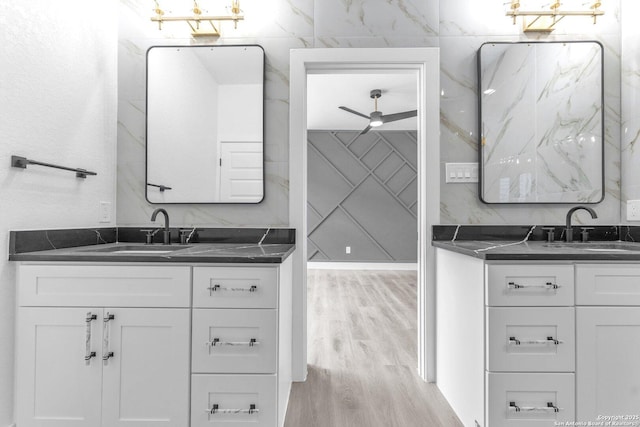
pixel 362 355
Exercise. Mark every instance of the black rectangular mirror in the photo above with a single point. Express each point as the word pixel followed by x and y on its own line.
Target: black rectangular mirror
pixel 541 107
pixel 205 124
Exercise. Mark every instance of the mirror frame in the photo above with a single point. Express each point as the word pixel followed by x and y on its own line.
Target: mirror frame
pixel 146 125
pixel 480 132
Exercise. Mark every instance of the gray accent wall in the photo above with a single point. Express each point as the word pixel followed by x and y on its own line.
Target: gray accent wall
pixel 362 193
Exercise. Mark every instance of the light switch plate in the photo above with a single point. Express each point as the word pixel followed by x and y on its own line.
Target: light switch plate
pixel 461 173
pixel 633 210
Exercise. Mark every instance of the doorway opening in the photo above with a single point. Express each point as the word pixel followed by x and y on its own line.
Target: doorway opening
pixel 425 63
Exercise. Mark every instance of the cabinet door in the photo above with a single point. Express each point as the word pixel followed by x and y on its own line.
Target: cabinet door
pixel 55 385
pixel 146 379
pixel 607 368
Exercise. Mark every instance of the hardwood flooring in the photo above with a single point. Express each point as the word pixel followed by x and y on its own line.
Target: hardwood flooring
pixel 362 355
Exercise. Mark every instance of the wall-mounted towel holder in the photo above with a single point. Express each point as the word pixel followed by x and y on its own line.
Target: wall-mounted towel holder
pixel 161 187
pixel 22 162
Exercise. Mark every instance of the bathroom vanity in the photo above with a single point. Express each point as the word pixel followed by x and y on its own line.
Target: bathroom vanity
pixel 127 334
pixel 535 333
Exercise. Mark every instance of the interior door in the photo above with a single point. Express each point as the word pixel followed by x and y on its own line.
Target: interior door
pixel 60 380
pixel 241 172
pixel 146 371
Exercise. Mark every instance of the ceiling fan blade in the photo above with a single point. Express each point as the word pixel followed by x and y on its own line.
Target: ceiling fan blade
pixel 365 130
pixel 353 112
pixel 399 116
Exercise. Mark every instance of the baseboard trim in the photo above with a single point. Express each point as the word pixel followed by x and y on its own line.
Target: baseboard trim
pixel 362 265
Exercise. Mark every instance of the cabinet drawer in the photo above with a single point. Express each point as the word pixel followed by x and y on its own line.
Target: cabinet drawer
pixel 608 284
pixel 232 287
pixel 222 341
pixel 519 400
pixel 111 285
pixel 529 285
pixel 234 396
pixel 531 339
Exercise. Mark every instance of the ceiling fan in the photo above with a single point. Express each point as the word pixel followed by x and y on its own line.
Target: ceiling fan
pixel 377 118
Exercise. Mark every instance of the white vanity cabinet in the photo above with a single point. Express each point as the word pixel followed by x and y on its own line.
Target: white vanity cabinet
pixel 87 364
pixel 538 343
pixel 608 336
pixel 152 345
pixel 241 350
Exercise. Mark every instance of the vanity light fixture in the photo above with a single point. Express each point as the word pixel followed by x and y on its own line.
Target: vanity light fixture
pixel 201 25
pixel 544 20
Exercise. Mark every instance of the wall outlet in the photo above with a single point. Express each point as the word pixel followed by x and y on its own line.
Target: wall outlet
pixel 105 212
pixel 347 249
pixel 633 210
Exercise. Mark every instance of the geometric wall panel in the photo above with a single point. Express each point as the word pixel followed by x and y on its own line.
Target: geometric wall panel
pixel 362 193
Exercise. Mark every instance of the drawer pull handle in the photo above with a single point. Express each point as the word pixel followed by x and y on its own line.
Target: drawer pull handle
pixel 217 288
pixel 88 355
pixel 216 410
pixel 217 343
pixel 106 355
pixel 548 285
pixel 550 407
pixel 549 340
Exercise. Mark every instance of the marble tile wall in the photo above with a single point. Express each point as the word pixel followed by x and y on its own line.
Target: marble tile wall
pixel 458 27
pixel 630 89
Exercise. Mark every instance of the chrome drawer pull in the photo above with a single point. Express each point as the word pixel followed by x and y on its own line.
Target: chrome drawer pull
pixel 549 340
pixel 548 285
pixel 217 343
pixel 216 410
pixel 550 407
pixel 88 355
pixel 218 287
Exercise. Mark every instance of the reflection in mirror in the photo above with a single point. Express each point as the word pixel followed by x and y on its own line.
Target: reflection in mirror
pixel 205 124
pixel 541 122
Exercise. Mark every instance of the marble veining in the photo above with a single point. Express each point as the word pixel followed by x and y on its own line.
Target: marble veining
pixel 458 27
pixel 530 243
pixel 270 245
pixel 541 122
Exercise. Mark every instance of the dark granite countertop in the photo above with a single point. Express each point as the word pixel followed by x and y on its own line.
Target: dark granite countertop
pixel 210 245
pixel 139 252
pixel 543 251
pixel 528 243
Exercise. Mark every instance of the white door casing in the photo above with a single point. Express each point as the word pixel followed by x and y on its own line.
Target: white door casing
pixel 425 62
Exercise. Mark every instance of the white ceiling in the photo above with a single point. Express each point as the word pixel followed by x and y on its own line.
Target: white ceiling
pixel 326 92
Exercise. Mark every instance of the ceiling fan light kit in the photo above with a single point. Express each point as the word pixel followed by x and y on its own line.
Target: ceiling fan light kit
pixel 376 118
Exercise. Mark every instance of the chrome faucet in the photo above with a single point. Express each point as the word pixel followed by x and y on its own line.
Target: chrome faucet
pixel 568 231
pixel 166 232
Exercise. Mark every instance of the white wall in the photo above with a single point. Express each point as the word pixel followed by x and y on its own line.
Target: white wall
pixel 240 113
pixel 58 105
pixel 183 160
